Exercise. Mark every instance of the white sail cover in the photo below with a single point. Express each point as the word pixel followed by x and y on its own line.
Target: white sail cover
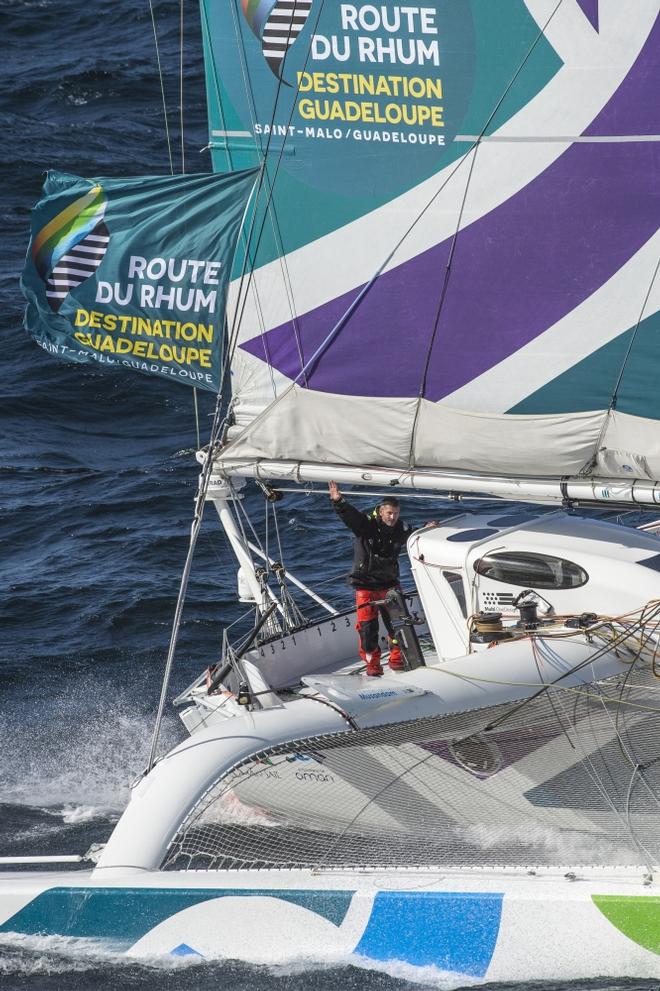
pixel 456 241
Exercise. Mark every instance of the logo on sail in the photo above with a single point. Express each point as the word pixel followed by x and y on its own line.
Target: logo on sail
pixel 71 246
pixel 277 24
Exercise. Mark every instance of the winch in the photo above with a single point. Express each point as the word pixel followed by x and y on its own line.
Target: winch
pixel 487 628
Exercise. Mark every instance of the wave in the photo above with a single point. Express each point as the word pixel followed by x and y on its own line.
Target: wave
pixel 33 956
pixel 85 772
pixel 60 956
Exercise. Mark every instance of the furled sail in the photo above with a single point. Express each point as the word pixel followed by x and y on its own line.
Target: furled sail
pixel 453 261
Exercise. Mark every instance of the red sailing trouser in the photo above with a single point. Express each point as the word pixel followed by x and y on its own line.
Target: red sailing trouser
pixel 367 625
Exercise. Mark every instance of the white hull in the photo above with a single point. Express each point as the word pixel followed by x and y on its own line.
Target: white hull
pixel 488 924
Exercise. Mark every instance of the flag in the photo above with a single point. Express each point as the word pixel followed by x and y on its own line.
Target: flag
pixel 134 272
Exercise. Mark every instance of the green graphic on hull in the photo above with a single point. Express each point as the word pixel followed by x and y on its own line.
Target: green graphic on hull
pixel 636 916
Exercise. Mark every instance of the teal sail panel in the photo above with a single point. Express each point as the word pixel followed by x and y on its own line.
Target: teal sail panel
pixel 367 102
pixel 134 272
pixel 626 367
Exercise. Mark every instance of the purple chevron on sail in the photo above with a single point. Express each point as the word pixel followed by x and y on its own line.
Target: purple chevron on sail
pixel 508 285
pixel 590 11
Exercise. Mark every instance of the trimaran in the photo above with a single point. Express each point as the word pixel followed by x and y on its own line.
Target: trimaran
pixel 446 286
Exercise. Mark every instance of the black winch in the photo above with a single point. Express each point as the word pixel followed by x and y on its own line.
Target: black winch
pixel 487 628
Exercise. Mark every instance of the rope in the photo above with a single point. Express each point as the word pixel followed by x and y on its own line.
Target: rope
pixel 445 282
pixel 162 87
pixel 277 534
pixel 205 479
pixel 217 430
pixel 271 212
pixel 240 309
pixel 183 150
pixel 617 641
pixel 591 464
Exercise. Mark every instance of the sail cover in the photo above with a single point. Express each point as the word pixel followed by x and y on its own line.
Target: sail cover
pixel 453 263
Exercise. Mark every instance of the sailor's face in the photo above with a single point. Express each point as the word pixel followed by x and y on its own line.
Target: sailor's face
pixel 389 514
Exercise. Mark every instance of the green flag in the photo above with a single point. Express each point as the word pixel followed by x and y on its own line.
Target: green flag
pixel 135 271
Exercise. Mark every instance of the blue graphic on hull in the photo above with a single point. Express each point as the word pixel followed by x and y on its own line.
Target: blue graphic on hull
pixel 455 931
pixel 183 950
pixel 125 915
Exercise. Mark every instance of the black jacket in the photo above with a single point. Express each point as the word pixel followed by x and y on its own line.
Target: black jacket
pixel 376 547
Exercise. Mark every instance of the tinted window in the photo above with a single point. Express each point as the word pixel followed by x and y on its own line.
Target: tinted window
pixel 456 585
pixel 533 570
pixel 465 535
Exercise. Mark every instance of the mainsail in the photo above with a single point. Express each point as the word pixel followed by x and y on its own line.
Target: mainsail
pixel 453 261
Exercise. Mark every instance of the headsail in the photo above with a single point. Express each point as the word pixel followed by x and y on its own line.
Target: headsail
pixel 455 259
pixel 135 271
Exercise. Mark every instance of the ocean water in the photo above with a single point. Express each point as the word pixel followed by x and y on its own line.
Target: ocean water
pixel 97 482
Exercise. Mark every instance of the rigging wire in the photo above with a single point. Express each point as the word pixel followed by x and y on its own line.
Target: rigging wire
pixel 240 307
pixel 181 121
pixel 182 138
pixel 217 430
pixel 205 476
pixel 445 282
pixel 591 464
pixel 162 86
pixel 441 301
pixel 229 332
pixel 183 172
pixel 248 261
pixel 277 234
pixel 277 533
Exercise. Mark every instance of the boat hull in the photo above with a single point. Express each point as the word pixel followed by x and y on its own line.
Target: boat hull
pixel 487 924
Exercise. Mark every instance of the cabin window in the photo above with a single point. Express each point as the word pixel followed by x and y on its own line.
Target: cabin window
pixel 455 583
pixel 532 570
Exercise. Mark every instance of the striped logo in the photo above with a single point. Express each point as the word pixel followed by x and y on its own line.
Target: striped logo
pixel 70 247
pixel 277 24
pixel 76 265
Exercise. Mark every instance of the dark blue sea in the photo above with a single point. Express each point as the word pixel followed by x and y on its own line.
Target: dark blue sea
pixel 98 478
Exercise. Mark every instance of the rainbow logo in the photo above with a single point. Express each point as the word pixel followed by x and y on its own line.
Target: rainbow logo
pixel 71 246
pixel 276 24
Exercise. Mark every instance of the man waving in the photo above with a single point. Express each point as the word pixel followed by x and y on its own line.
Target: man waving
pixel 379 538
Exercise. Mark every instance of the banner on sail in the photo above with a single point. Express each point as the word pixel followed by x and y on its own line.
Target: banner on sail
pixel 134 272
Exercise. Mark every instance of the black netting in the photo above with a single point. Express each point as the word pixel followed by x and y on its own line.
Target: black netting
pixel 572 776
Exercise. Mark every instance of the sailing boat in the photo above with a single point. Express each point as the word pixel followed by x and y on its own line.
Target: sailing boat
pixel 446 285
